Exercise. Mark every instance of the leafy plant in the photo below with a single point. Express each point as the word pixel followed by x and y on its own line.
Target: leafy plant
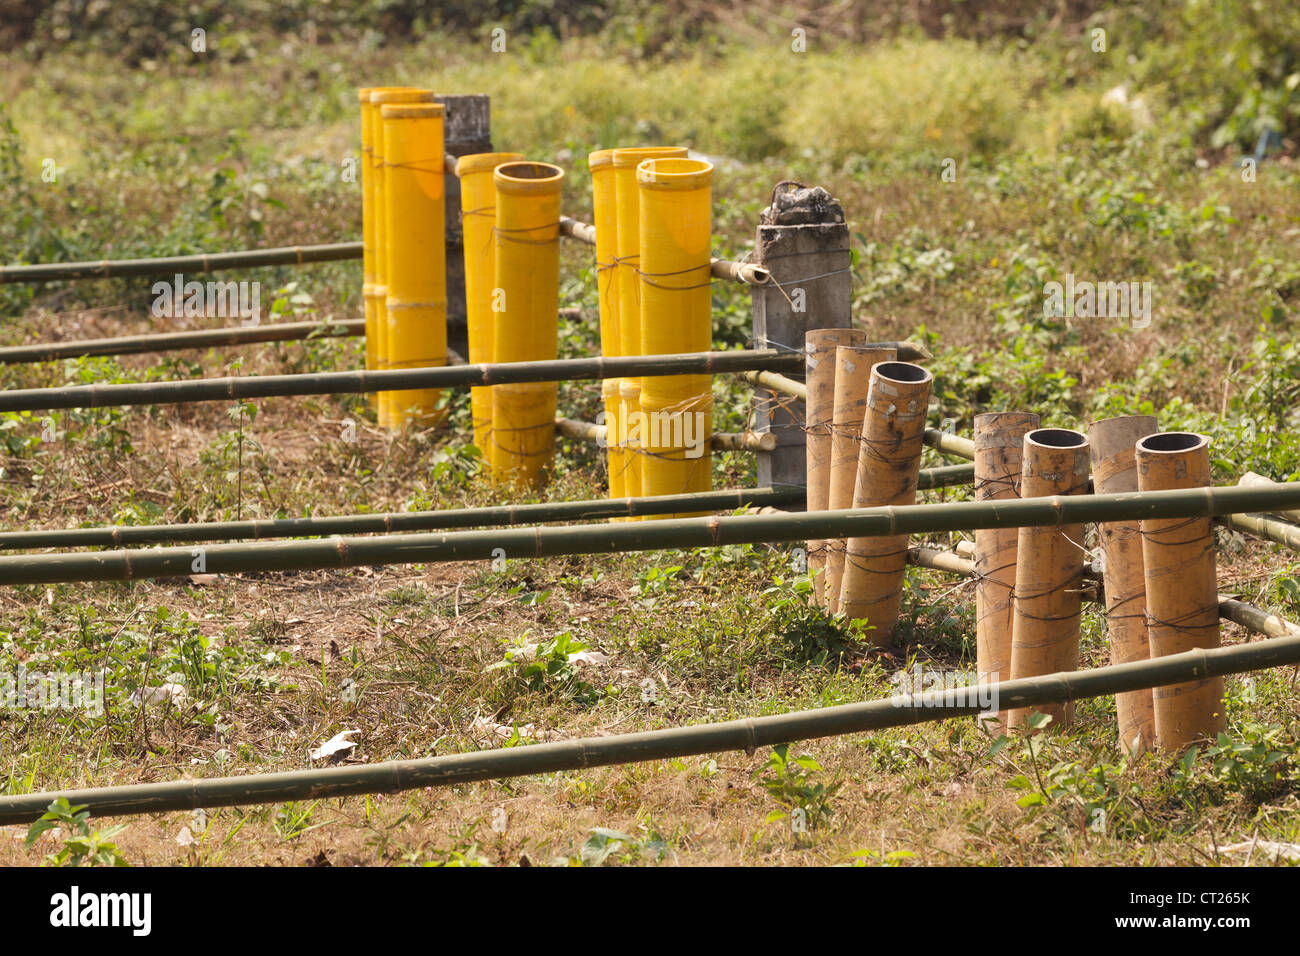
pixel 789 781
pixel 82 845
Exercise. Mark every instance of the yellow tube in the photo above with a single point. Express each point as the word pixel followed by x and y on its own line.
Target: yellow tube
pixel 628 239
pixel 609 393
pixel 674 282
pixel 478 205
pixel 415 224
pixel 604 203
pixel 527 317
pixel 368 233
pixel 629 435
pixel 379 97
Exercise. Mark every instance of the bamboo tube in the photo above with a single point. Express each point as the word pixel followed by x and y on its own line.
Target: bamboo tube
pixel 478 211
pixel 628 238
pixel 629 430
pixel 999 443
pixel 604 202
pixel 746 272
pixel 528 276
pixel 394 522
pixel 1181 588
pixel 848 408
pixel 343 383
pixel 368 213
pixel 675 199
pixel 747 734
pixel 888 462
pixel 649 536
pixel 379 98
pixel 1251 479
pixel 176 341
pixel 1112 442
pixel 819 379
pixel 1049 567
pixel 415 228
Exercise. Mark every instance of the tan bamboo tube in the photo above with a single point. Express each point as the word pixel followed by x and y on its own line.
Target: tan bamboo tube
pixel 889 459
pixel 1181 587
pixel 1252 480
pixel 1114 470
pixel 1049 569
pixel 849 407
pixel 819 409
pixel 999 443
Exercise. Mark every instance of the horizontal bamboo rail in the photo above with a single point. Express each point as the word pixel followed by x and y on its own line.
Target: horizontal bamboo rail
pixel 745 272
pixel 165 265
pixel 343 383
pixel 398 521
pixel 748 734
pixel 706 532
pixel 176 341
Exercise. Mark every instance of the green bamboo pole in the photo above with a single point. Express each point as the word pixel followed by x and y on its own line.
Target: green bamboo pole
pixel 341 383
pixel 1279 532
pixel 407 521
pixel 639 536
pixel 400 521
pixel 747 734
pixel 166 265
pixel 175 341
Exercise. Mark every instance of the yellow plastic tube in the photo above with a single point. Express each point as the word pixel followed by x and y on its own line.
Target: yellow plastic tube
pixel 673 281
pixel 478 211
pixel 604 203
pixel 527 317
pixel 629 434
pixel 415 224
pixel 368 232
pixel 628 238
pixel 380 97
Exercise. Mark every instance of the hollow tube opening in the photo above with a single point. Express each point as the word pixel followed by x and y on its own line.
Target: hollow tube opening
pixel 1172 442
pixel 1057 438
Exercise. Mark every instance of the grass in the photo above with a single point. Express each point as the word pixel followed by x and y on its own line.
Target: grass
pixel 423 660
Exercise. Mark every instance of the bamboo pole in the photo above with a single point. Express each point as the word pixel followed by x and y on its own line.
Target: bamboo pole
pixel 1114 469
pixel 1049 566
pixel 849 408
pixel 1181 589
pixel 176 341
pixel 394 522
pixel 368 214
pixel 673 287
pixel 604 202
pixel 819 385
pixel 647 536
pixel 415 227
pixel 999 444
pixel 380 97
pixel 478 200
pixel 1250 479
pixel 1279 532
pixel 748 734
pixel 888 462
pixel 167 265
pixel 344 383
pixel 527 329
